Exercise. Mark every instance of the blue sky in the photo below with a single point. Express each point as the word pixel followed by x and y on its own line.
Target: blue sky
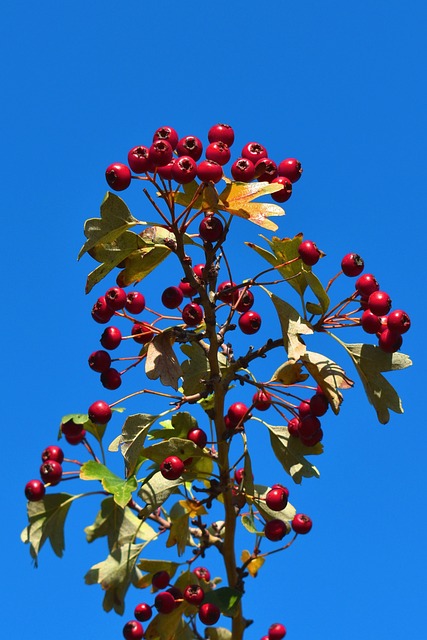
pixel 338 85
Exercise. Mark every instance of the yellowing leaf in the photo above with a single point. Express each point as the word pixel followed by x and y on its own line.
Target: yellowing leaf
pixel 161 361
pixel 289 373
pixel 236 200
pixel 254 565
pixel 193 508
pixel 329 376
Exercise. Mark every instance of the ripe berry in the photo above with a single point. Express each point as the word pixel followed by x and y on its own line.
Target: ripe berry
pixel 276 631
pixel 164 602
pixel 290 168
pixel 192 314
pixel 76 438
pixel 198 270
pixel 135 302
pixel 301 523
pixel 172 297
pixel 245 301
pixel 70 428
pixel 379 302
pixel 398 321
pixel 366 285
pixel 189 146
pixel 209 171
pixel 254 151
pixel 319 404
pixel 101 312
pixel 293 427
pixel 115 298
pixel 209 613
pixel 309 253
pixel 186 289
pixel 172 468
pixel 99 412
pixel 239 475
pixel 34 490
pixel 198 436
pixel 143 612
pixel 133 630
pixel 53 453
pixel 227 292
pixel 51 471
pixel 261 400
pixel 237 412
pixel 218 152
pixel 160 153
pixel 111 338
pixel 118 176
pixel 265 170
pixel 202 573
pixel 308 426
pixel 211 229
pixel 166 171
pixel 111 379
pixel 184 170
pixel 370 322
pixel 99 361
pixel 168 134
pixel 285 192
pixel 243 170
pixel 352 265
pixel 160 580
pixel 250 322
pixel 138 160
pixel 194 594
pixel 304 408
pixel 275 530
pixel 142 332
pixel 177 594
pixel 276 499
pixel 390 341
pixel 311 441
pixel 221 133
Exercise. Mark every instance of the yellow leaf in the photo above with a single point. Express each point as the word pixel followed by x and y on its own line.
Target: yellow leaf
pixel 254 565
pixel 193 508
pixel 289 373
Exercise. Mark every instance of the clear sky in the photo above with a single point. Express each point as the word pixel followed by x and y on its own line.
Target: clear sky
pixel 339 85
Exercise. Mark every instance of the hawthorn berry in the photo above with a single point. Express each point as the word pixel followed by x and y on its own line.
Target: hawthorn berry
pixel 187 290
pixel 34 490
pixel 198 270
pixel 239 475
pixel 53 453
pixel 290 168
pixel 276 499
pixel 275 530
pixel 164 602
pixel 194 594
pixel 118 176
pixel 99 361
pixel 76 438
pixel 261 400
pixel 133 630
pixel 139 161
pixel 202 573
pixel 304 408
pixel 277 631
pixel 319 404
pixel 70 428
pixel 390 341
pixel 293 427
pixel 172 297
pixel 142 332
pixel 189 146
pixel 111 379
pixel 218 152
pixel 398 321
pixel 311 441
pixel 245 301
pixel 101 312
pixel 209 171
pixel 143 612
pixel 192 314
pixel 352 265
pixel 221 133
pixel 211 228
pixel 209 613
pixel 308 426
pixel 166 133
pixel 160 579
pixel 160 153
pixel 366 284
pixel 227 292
pixel 370 322
pixel 51 472
pixel 250 322
pixel 265 170
pixel 115 298
pixel 379 302
pixel 172 468
pixel 243 170
pixel 99 412
pixel 254 151
pixel 111 338
pixel 301 523
pixel 135 302
pixel 285 192
pixel 198 436
pixel 166 171
pixel 184 170
pixel 238 412
pixel 309 253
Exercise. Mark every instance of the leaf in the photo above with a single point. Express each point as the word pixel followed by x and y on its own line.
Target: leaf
pixel 164 626
pixel 318 290
pixel 207 200
pixel 226 598
pixel 173 447
pixel 115 219
pixel 236 200
pixel 161 361
pixel 289 373
pixel 150 567
pixel 142 262
pixel 121 489
pixel 115 575
pixel 254 565
pixel 179 534
pixel 196 369
pixel 155 491
pixel 193 508
pixel 378 360
pixel 258 500
pixel 121 526
pixel 249 523
pixel 177 427
pixel 132 439
pixel 292 327
pixel 46 522
pixel 329 375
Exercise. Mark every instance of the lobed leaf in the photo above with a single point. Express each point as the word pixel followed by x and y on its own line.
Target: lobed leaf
pixel 132 439
pixel 254 565
pixel 155 490
pixel 289 373
pixel 226 598
pixel 329 376
pixel 150 567
pixel 161 361
pixel 282 252
pixel 179 533
pixel 292 325
pixel 121 489
pixel 236 199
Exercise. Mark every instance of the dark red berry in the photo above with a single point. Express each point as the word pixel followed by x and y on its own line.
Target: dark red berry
pixel 160 153
pixel 34 490
pixel 184 170
pixel 254 151
pixel 243 170
pixel 142 332
pixel 76 438
pixel 187 290
pixel 275 530
pixel 366 284
pixel 309 253
pixel 111 338
pixel 164 602
pixel 172 468
pixel 53 453
pixel 308 426
pixel 194 594
pixel 138 160
pixel 285 192
pixel 135 302
pixel 101 312
pixel 99 361
pixel 227 292
pixel 250 322
pixel 290 168
pixel 319 404
pixel 160 580
pixel 211 229
pixel 237 412
pixel 177 594
pixel 111 379
pixel 301 523
pixel 352 265
pixel 192 314
pixel 304 408
pixel 51 472
pixel 118 176
pixel 190 146
pixel 389 341
pixel 239 475
pixel 172 297
pixel 265 170
pixel 370 322
pixel 276 499
pixel 276 631
pixel 99 412
pixel 168 134
pixel 218 152
pixel 198 436
pixel 293 427
pixel 245 301
pixel 70 428
pixel 133 630
pixel 202 573
pixel 209 171
pixel 398 321
pixel 311 441
pixel 221 133
pixel 379 302
pixel 115 298
pixel 261 400
pixel 143 612
pixel 209 613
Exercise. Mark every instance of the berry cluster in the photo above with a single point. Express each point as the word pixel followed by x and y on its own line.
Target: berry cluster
pixel 50 473
pixel 306 425
pixel 179 159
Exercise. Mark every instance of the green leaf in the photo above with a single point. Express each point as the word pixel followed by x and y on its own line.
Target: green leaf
pixel 318 290
pixel 155 491
pixel 196 369
pixel 132 439
pixel 218 633
pixel 226 598
pixel 177 427
pixel 150 567
pixel 330 376
pixel 161 361
pixel 293 326
pixel 376 359
pixel 179 534
pixel 115 575
pixel 142 262
pixel 249 523
pixel 173 447
pixel 46 522
pixel 258 500
pixel 121 489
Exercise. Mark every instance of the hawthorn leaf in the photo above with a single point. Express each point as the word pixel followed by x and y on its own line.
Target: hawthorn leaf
pixel 374 358
pixel 249 523
pixel 142 262
pixel 318 290
pixel 293 326
pixel 248 476
pixel 46 522
pixel 329 376
pixel 132 439
pixel 226 598
pixel 179 533
pixel 177 427
pixel 164 626
pixel 206 200
pixel 193 508
pixel 236 199
pixel 180 447
pixel 155 491
pixel 196 369
pixel 254 565
pixel 289 373
pixel 150 567
pixel 121 489
pixel 161 361
pixel 115 575
pixel 258 500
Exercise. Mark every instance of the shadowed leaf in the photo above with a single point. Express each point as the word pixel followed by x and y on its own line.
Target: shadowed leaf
pixel 329 376
pixel 289 373
pixel 161 361
pixel 132 439
pixel 293 326
pixel 226 598
pixel 150 567
pixel 155 491
pixel 285 251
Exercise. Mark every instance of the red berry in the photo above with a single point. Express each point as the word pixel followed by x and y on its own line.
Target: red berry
pixel 194 594
pixel 370 322
pixel 138 160
pixel 390 341
pixel 53 453
pixel 276 631
pixel 99 412
pixel 308 426
pixel 293 427
pixel 379 302
pixel 164 602
pixel 184 170
pixel 34 490
pixel 275 530
pixel 166 171
pixel 111 379
pixel 352 265
pixel 111 338
pixel 115 298
pixel 142 332
pixel 202 573
pixel 218 152
pixel 101 312
pixel 186 289
pixel 209 613
pixel 221 133
pixel 209 171
pixel 99 361
pixel 261 400
pixel 301 523
pixel 211 229
pixel 189 146
pixel 227 292
pixel 118 176
pixel 168 134
pixel 160 580
pixel 304 408
pixel 160 153
pixel 366 285
pixel 70 428
pixel 243 170
pixel 135 302
pixel 192 314
pixel 244 301
pixel 51 472
pixel 250 322
pixel 254 151
pixel 398 321
pixel 315 438
pixel 309 253
pixel 143 612
pixel 319 404
pixel 133 630
pixel 76 438
pixel 239 475
pixel 172 468
pixel 237 412
pixel 198 270
pixel 276 499
pixel 285 192
pixel 172 297
pixel 265 170
pixel 290 168
pixel 198 436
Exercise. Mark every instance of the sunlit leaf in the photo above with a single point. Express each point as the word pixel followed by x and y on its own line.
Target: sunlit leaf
pixel 329 376
pixel 155 491
pixel 284 252
pixel 164 626
pixel 289 373
pixel 254 565
pixel 226 598
pixel 132 439
pixel 317 288
pixel 179 534
pixel 150 567
pixel 121 489
pixel 236 200
pixel 161 361
pixel 293 326
pixel 193 508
